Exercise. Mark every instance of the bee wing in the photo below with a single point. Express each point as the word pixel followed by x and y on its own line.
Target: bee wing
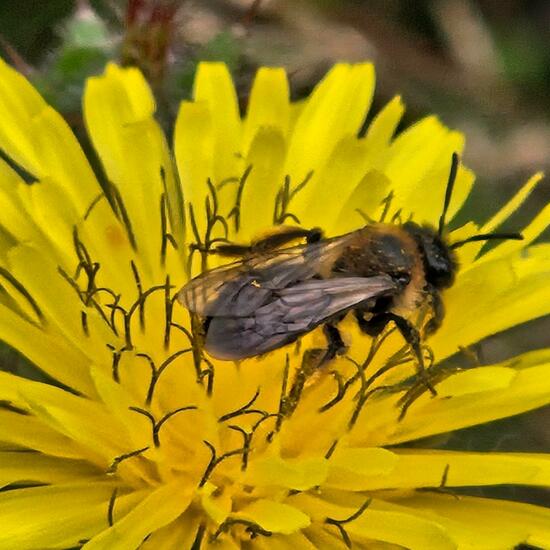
pixel 289 313
pixel 240 288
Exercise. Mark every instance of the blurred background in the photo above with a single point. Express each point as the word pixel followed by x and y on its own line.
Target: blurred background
pixel 483 66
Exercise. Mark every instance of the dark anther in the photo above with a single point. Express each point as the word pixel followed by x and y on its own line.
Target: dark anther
pixel 116 462
pixel 93 205
pixel 9 406
pixel 339 523
pixel 157 425
pixel 146 414
pixel 386 201
pixel 167 417
pixel 283 198
pixel 84 322
pixel 399 358
pixel 213 218
pixel 197 543
pixel 22 172
pixel 366 218
pixel 341 391
pixel 236 210
pixel 166 236
pixel 157 372
pixel 331 449
pixel 139 303
pixel 442 488
pixel 90 269
pixel 117 204
pixel 245 409
pixel 111 508
pixel 23 291
pixel 215 460
pixel 207 373
pixel 397 216
pixel 117 354
pixel 168 308
pixel 137 279
pixel 247 438
pixel 252 528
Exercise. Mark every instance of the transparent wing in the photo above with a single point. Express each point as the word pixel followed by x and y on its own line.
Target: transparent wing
pixel 291 312
pixel 238 289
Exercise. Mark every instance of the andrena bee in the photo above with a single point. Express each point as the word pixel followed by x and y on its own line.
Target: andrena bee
pixel 380 273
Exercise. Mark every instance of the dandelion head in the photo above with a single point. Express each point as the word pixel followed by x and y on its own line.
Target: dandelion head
pixel 137 437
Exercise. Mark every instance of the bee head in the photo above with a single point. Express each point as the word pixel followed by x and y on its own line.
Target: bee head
pixel 440 262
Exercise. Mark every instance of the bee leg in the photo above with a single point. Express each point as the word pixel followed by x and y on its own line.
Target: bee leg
pixel 314 235
pixel 231 249
pixel 438 311
pixel 336 345
pixel 412 337
pixel 278 240
pixel 313 360
pixel 376 325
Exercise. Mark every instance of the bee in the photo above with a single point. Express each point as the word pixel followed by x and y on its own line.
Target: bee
pixel 273 295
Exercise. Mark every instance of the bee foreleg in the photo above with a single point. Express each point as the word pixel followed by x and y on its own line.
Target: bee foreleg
pixel 438 311
pixel 378 322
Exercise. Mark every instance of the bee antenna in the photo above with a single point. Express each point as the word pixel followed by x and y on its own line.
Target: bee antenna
pixel 488 237
pixel 455 161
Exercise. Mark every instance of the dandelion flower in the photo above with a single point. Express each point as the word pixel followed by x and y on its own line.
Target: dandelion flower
pixel 139 439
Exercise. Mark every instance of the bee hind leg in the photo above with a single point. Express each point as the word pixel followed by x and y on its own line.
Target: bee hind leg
pixel 312 361
pixel 378 322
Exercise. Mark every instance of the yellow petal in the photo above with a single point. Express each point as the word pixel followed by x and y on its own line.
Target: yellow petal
pixel 336 109
pixel 349 466
pixel 118 109
pixel 516 285
pixel 426 468
pixel 214 86
pixel 528 389
pixel 265 159
pixel 82 420
pixel 378 521
pixel 364 201
pixel 159 508
pixel 31 518
pixel 273 516
pixel 39 140
pixel 476 380
pixel 321 537
pixel 383 126
pixel 60 304
pixel 49 352
pixel 18 467
pixel 512 205
pixel 285 542
pixel 217 506
pixel 178 534
pixel 28 432
pixel 13 213
pixel 481 523
pixel 268 105
pixel 300 474
pixel 334 184
pixel 419 164
pixel 530 233
pixel 194 151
